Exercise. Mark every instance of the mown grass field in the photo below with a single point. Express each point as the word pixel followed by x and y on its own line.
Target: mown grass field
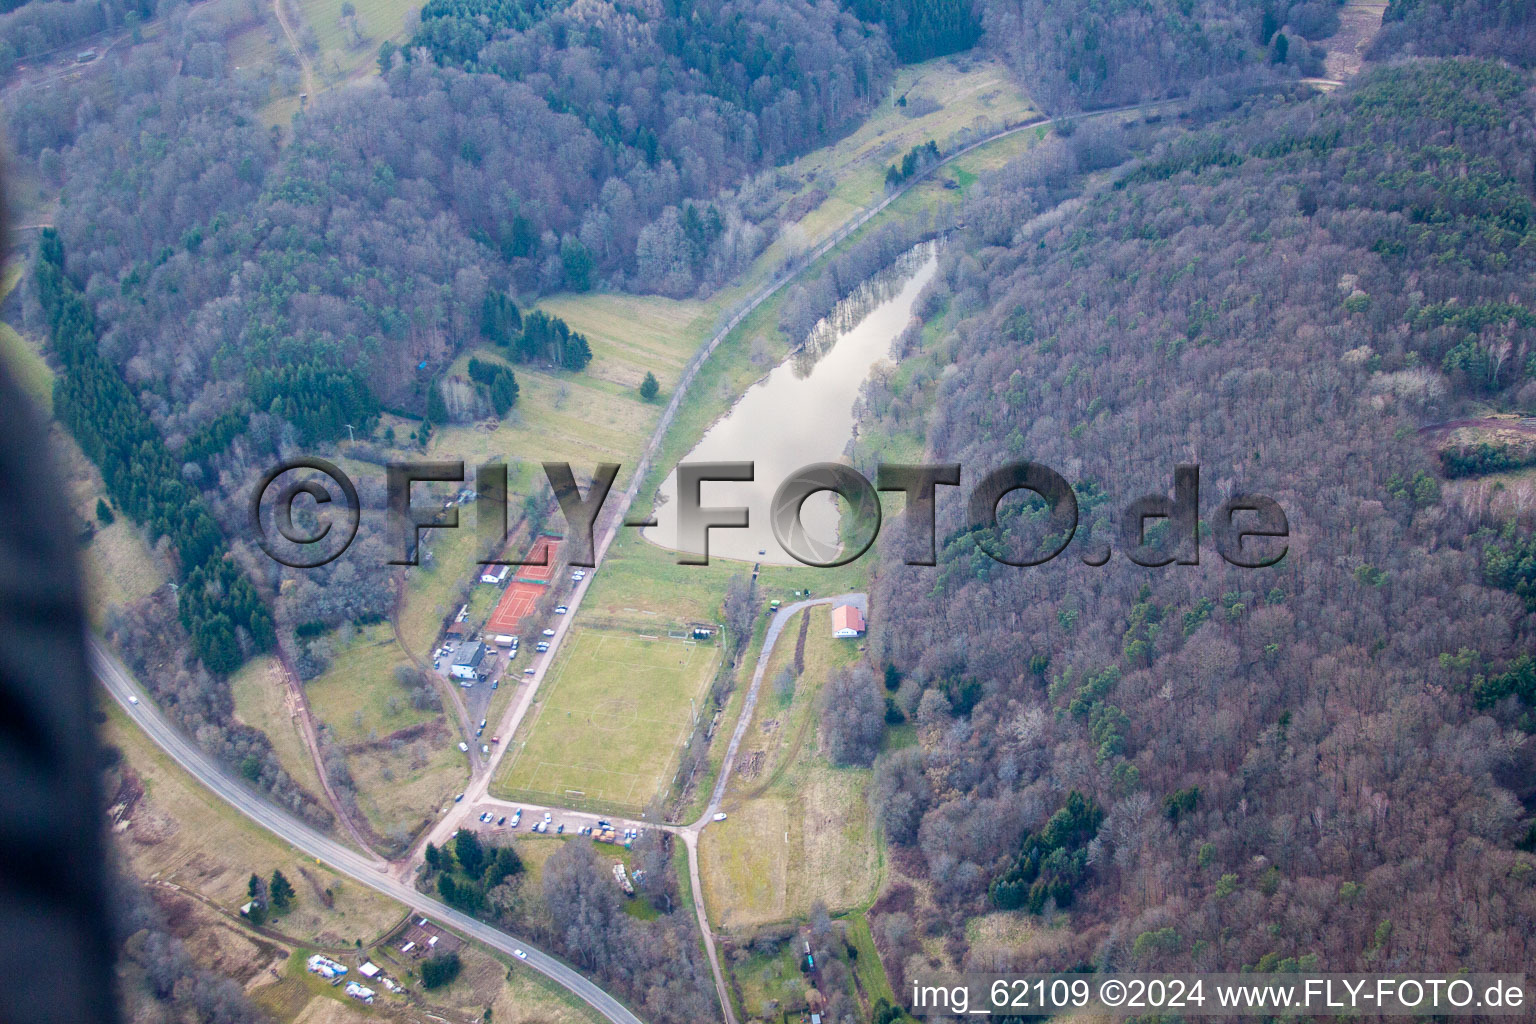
pixel 971 93
pixel 26 367
pixel 800 830
pixel 632 334
pixel 119 566
pixel 358 696
pixel 402 777
pixel 401 791
pixel 182 834
pixel 260 695
pixel 254 41
pixel 339 59
pixel 612 718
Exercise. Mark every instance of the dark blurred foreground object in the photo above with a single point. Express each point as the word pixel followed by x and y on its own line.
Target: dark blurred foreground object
pixel 55 940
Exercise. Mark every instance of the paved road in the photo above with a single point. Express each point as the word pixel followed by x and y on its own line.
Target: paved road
pixel 613 520
pixel 298 51
pixel 780 619
pixel 690 833
pixel 369 871
pixel 392 879
pixel 614 517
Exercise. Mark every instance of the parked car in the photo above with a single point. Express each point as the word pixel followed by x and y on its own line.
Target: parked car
pixel 495 739
pixel 463 747
pixel 485 748
pixel 547 815
pixel 527 671
pixel 482 723
pixel 501 821
pixel 720 816
pixel 496 685
pixel 560 829
pixel 458 798
pixel 561 609
pixel 549 632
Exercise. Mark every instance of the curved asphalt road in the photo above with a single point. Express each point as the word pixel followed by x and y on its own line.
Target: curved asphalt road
pixel 375 872
pixel 370 871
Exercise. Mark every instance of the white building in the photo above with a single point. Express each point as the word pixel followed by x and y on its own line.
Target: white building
pixel 847 622
pixel 466 663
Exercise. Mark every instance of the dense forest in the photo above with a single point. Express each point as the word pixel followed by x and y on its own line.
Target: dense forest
pixel 654 960
pixel 1086 54
pixel 1496 28
pixel 1325 763
pixel 219 620
pixel 509 151
pixel 218 606
pixel 29 30
pixel 921 29
pixel 595 146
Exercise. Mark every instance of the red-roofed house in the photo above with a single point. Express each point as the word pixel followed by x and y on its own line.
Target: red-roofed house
pixel 847 621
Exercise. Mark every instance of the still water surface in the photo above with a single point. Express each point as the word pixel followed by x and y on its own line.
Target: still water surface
pixel 800 413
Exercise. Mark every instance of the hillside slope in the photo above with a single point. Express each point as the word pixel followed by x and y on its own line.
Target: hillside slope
pixel 1325 762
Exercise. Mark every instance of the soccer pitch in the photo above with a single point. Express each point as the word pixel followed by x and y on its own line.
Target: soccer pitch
pixel 609 727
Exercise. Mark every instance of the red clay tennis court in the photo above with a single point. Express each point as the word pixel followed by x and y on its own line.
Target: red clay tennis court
pixel 527 586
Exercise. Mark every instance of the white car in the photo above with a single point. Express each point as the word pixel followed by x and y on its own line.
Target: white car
pixel 720 816
pixel 520 954
pixel 561 609
pixel 549 632
pixel 546 815
pixel 132 699
pixel 463 747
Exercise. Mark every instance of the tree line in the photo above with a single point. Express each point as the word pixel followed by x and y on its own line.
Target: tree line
pixel 1081 55
pixel 219 607
pixel 1267 758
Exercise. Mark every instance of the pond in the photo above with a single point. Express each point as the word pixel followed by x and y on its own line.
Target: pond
pixel 800 413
